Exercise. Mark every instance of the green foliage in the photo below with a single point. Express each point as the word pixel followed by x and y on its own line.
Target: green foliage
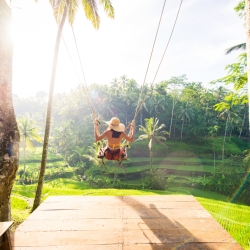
pixel 237 75
pixel 240 9
pixel 18 203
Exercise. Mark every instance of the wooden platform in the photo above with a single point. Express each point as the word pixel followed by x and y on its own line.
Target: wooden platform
pixel 121 222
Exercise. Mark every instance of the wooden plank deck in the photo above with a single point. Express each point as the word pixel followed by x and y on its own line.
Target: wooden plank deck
pixel 122 223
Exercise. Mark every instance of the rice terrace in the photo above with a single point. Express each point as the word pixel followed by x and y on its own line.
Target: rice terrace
pixel 124 125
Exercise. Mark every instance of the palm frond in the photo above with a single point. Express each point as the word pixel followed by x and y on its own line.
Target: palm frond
pixel 30 144
pixel 108 8
pixel 142 137
pixel 241 46
pixel 163 144
pixel 91 12
pixel 160 138
pixel 72 10
pixel 58 9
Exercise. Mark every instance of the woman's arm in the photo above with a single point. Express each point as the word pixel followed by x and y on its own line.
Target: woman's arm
pixel 97 136
pixel 128 138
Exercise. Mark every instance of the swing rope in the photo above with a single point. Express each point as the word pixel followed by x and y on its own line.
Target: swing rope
pixel 137 112
pixel 119 164
pixel 150 56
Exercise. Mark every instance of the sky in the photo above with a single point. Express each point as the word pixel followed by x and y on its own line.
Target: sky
pixel 122 46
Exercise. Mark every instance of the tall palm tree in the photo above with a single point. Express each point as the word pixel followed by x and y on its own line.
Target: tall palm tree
pixel 63 9
pixel 243 121
pixel 28 133
pixel 115 84
pixel 157 102
pixel 175 96
pixel 153 133
pixel 186 114
pixel 127 96
pixel 9 134
pixel 213 131
pixel 123 81
pixel 226 108
pixel 174 85
pixel 144 106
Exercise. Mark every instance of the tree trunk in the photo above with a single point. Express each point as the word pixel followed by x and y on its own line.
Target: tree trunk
pixel 24 148
pixel 151 166
pixel 182 128
pixel 151 160
pixel 9 133
pixel 115 176
pixel 247 7
pixel 126 117
pixel 49 110
pixel 231 133
pixel 214 155
pixel 223 146
pixel 174 127
pixel 171 119
pixel 243 122
pixel 141 115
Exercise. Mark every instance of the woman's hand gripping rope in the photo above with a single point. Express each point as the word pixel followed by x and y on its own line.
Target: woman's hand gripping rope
pixel 96 122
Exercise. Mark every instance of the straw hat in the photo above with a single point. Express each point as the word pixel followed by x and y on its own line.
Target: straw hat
pixel 115 124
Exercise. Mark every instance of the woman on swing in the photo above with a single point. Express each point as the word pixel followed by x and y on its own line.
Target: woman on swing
pixel 114 134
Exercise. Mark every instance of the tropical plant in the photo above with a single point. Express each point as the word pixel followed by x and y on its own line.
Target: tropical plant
pixel 153 133
pixel 187 114
pixel 28 133
pixel 227 108
pixel 241 10
pixel 214 131
pixel 63 9
pixel 157 102
pixel 174 85
pixel 246 160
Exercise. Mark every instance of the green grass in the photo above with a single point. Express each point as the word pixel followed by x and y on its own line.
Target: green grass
pixel 18 203
pixel 37 164
pixel 36 155
pixel 234 218
pixel 155 166
pixel 25 194
pixel 186 148
pixel 169 158
pixel 19 211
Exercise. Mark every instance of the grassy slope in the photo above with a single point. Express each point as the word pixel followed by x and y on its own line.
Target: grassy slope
pixel 204 148
pixel 19 211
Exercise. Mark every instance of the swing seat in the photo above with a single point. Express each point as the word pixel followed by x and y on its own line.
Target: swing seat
pixel 112 154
